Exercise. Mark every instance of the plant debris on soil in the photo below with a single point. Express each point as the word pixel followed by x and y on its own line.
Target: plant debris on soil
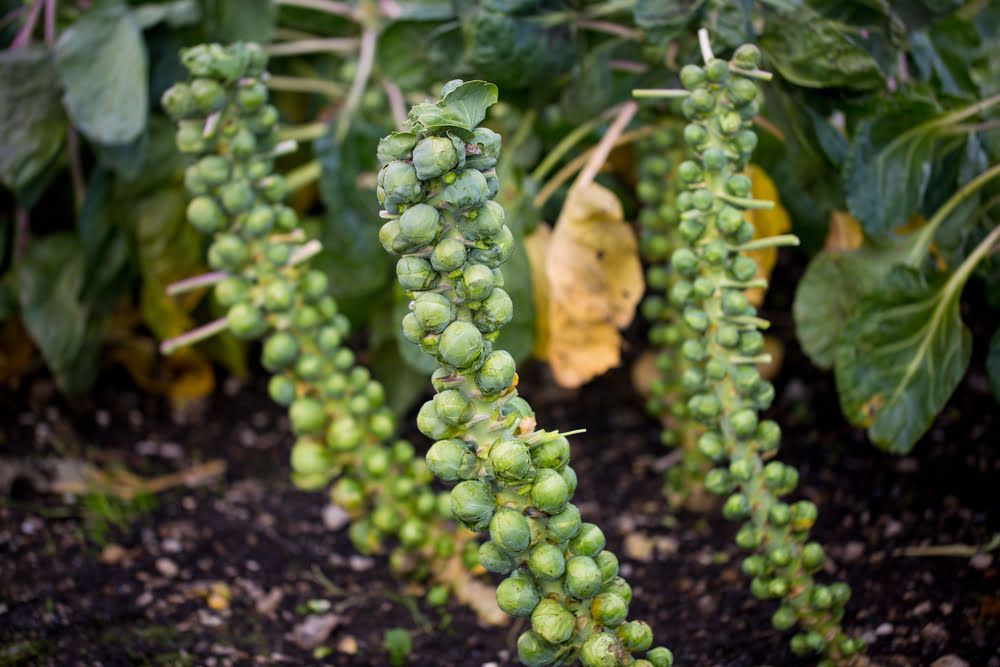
pixel 249 570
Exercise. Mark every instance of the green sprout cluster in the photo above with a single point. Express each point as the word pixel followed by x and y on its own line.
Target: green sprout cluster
pixel 436 185
pixel 657 186
pixel 723 346
pixel 344 429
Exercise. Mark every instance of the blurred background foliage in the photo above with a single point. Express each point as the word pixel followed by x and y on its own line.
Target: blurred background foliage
pixel 878 113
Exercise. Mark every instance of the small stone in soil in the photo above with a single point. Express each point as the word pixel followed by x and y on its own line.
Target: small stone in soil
pixel 361 563
pixel 313 631
pixel 335 518
pixel 981 561
pixel 348 645
pixel 166 567
pixel 950 660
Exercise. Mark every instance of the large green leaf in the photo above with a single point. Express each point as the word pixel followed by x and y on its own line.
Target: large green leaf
pixel 815 52
pixel 460 111
pixel 900 358
pixel 175 14
pixel 59 320
pixel 668 15
pixel 103 70
pixel 32 124
pixel 236 20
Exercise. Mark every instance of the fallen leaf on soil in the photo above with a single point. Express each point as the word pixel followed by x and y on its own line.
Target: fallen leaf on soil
pixel 473 593
pixel 314 630
pixel 766 223
pixel 594 282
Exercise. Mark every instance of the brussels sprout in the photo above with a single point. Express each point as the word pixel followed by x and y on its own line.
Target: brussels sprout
pixel 609 609
pixel 534 651
pixel 589 541
pixel 282 390
pixel 236 197
pixel 565 524
pixel 415 274
pixel 569 475
pixel 600 650
pixel 483 149
pixel 434 156
pixel 228 251
pixel 553 621
pixel 619 587
pixel 583 577
pixel 495 559
pixel 546 561
pixel 431 425
pixel 510 460
pixel 469 190
pixel 433 311
pixel 509 530
pixel 245 321
pixel 495 312
pixel 476 283
pixel 309 457
pixel 205 215
pixel 498 250
pixel 396 146
pixel 517 594
pixel 344 433
pixel 448 255
pixel 496 373
pixel 551 454
pixel 461 344
pixel 607 562
pixel 473 504
pixel 280 351
pixel 549 493
pixel 400 182
pixel 421 224
pixel 452 460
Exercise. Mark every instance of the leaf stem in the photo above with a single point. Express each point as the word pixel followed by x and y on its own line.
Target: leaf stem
pixel 327 6
pixel 23 36
pixel 295 84
pixel 308 132
pixel 611 28
pixel 50 22
pixel 926 233
pixel 302 176
pixel 603 148
pixel 397 103
pixel 659 93
pixel 569 141
pixel 706 46
pixel 781 240
pixel 318 45
pixel 305 252
pixel 365 61
pixel 171 345
pixel 194 282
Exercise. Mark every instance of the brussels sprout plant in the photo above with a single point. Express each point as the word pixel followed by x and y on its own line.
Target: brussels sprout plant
pixel 512 480
pixel 344 430
pixel 718 333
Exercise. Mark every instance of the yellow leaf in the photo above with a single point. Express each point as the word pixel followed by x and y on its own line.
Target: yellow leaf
pixel 594 279
pixel 765 223
pixel 844 234
pixel 536 245
pixel 645 372
pixel 183 377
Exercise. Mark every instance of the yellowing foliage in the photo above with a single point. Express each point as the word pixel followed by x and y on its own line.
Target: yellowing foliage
pixel 766 223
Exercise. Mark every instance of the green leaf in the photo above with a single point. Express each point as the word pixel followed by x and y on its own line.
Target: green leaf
pixel 176 14
pixel 399 645
pixel 669 15
pixel 404 385
pixel 993 364
pixel 32 125
pixel 945 53
pixel 815 52
pixel 240 20
pixel 102 65
pixel 61 323
pixel 900 358
pixel 460 111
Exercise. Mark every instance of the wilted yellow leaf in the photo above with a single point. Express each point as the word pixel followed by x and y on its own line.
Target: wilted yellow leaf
pixel 594 283
pixel 844 234
pixel 645 372
pixel 766 223
pixel 184 376
pixel 536 245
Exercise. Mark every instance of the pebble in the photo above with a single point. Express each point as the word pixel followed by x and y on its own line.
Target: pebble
pixel 166 567
pixel 335 518
pixel 934 633
pixel 348 645
pixel 853 551
pixel 981 561
pixel 950 660
pixel 361 563
pixel 922 608
pixel 883 630
pixel 893 528
pixel 113 554
pixel 313 631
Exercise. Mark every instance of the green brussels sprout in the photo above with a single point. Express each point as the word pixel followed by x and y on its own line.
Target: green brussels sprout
pixel 385 517
pixel 396 146
pixel 400 182
pixel 236 197
pixel 448 255
pixel 364 536
pixel 483 149
pixel 307 416
pixel 281 389
pixel 546 561
pixel 431 425
pixel 178 101
pixel 415 274
pixel 451 460
pixel 205 215
pixel 476 283
pixel 495 312
pixel 549 493
pixel 498 249
pixel 509 530
pixel 583 577
pixel 608 609
pixel 510 460
pixel 473 504
pixel 565 524
pixel 619 587
pixel 469 190
pixel 461 344
pixel 569 475
pixel 413 533
pixel 635 635
pixel 551 454
pixel 433 311
pixel 435 156
pixel 421 224
pixel 554 622
pixel 493 184
pixel 344 433
pixel 245 321
pixel 608 564
pixel 589 541
pixel 208 95
pixel 259 221
pixel 534 651
pixel 600 650
pixel 495 559
pixel 518 595
pixel 496 373
pixel 280 351
pixel 229 252
pixel 251 95
pixel 309 457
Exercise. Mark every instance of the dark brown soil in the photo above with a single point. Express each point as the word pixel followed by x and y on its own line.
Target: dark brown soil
pixel 143 597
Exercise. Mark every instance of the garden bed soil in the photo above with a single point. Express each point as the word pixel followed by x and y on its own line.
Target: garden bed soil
pixel 242 570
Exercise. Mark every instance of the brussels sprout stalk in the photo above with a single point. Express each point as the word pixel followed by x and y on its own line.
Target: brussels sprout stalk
pixel 512 480
pixel 720 343
pixel 259 253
